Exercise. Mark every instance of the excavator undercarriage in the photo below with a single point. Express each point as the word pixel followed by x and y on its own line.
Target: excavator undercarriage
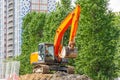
pixel 46 69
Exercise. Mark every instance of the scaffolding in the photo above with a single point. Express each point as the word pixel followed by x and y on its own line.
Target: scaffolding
pixel 9 70
pixel 2 68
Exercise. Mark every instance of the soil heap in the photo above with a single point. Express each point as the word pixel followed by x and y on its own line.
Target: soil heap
pixel 55 76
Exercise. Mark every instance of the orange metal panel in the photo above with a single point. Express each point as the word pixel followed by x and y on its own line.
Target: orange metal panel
pixel 73 19
pixel 34 57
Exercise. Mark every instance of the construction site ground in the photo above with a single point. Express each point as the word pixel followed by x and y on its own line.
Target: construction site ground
pixel 55 76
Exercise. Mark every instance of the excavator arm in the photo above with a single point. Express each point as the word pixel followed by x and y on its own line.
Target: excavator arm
pixel 71 19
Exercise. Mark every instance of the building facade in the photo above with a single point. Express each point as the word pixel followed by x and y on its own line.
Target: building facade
pixel 43 5
pixel 2 15
pixel 1 35
pixel 12 13
pixel 9 28
pixel 17 28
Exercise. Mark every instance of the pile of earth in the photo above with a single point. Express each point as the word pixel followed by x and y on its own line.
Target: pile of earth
pixel 55 76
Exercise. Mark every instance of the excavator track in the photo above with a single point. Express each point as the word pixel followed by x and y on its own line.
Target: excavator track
pixel 44 69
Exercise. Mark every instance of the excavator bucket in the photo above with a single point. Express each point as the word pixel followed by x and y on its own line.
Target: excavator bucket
pixel 68 53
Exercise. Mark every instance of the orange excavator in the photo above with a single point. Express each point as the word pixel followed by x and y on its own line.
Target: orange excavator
pixel 54 57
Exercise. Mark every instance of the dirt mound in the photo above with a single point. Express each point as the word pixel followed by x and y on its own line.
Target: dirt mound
pixel 55 76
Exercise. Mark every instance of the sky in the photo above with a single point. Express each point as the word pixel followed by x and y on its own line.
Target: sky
pixel 114 5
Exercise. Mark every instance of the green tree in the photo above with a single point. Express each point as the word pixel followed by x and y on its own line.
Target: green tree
pixel 31 36
pixel 96 40
pixel 117 25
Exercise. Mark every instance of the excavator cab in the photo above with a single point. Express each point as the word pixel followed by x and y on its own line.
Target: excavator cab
pixel 44 55
pixel 46 52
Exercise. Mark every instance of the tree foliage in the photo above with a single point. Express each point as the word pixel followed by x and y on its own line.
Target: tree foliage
pixel 32 33
pixel 117 24
pixel 96 40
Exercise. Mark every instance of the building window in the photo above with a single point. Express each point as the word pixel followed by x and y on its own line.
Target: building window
pixel 43 1
pixel 35 1
pixel 35 7
pixel 43 7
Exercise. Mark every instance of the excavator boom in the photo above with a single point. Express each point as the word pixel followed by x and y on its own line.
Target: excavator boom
pixel 71 19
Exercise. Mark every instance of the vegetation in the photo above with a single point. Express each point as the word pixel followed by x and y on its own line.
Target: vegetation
pixel 97 41
pixel 32 33
pixel 117 24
